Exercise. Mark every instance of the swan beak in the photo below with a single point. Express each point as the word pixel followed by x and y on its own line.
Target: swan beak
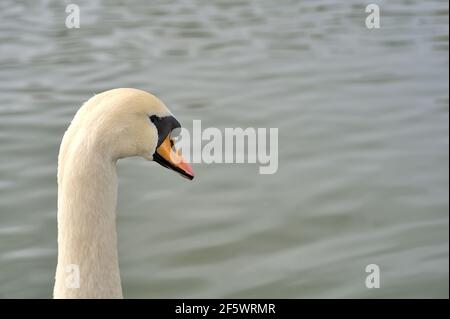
pixel 171 158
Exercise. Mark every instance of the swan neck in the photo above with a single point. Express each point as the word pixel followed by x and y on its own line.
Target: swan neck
pixel 87 237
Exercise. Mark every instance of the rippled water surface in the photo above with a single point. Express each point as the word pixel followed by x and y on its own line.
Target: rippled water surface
pixel 363 118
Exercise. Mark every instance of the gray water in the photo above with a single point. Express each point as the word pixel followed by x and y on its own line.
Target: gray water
pixel 363 119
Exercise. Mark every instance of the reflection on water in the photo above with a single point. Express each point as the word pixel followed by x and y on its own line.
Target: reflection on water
pixel 363 155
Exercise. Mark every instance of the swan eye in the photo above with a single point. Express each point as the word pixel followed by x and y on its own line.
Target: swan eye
pixel 165 126
pixel 154 119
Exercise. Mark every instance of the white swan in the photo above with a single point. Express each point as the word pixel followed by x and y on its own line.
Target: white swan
pixel 112 125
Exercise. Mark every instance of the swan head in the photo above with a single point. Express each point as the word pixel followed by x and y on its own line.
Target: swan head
pixel 130 122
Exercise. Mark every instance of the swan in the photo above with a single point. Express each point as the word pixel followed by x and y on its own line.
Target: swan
pixel 111 125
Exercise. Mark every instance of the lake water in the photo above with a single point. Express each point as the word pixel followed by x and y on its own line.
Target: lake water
pixel 363 119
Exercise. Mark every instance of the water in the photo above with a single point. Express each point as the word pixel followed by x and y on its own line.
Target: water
pixel 363 155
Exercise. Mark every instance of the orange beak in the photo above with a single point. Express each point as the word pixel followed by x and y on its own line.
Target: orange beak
pixel 171 158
